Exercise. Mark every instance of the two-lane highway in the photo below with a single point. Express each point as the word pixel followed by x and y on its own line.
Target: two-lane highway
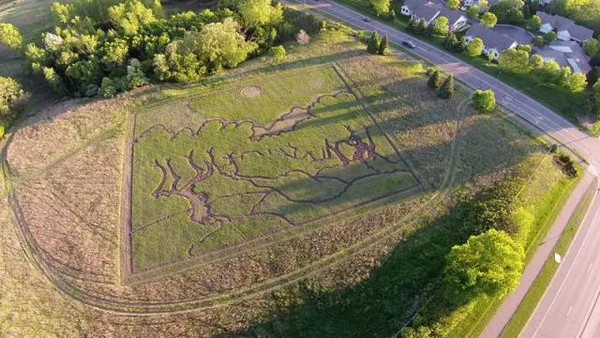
pixel 570 307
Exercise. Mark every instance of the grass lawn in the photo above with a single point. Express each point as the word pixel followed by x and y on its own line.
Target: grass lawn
pixel 536 292
pixel 561 100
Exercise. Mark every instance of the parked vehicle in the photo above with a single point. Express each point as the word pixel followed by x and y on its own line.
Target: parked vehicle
pixel 409 44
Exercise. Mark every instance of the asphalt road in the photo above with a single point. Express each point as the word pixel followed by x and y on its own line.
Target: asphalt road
pixel 570 307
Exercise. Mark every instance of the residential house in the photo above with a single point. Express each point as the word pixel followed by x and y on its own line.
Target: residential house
pixel 427 11
pixel 494 43
pixel 567 54
pixel 565 29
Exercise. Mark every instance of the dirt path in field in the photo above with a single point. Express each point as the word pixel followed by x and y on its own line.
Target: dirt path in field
pixel 125 256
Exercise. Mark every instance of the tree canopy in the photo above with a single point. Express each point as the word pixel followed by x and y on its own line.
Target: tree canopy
pixel 10 36
pixel 259 12
pixel 10 93
pixel 484 100
pixel 488 264
pixel 381 6
pixel 440 26
pixel 475 47
pixel 489 20
pixel 453 4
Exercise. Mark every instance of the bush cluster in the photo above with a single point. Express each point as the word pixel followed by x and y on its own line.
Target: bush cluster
pixel 103 47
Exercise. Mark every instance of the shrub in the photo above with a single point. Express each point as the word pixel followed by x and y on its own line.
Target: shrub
pixel 10 94
pixel 10 36
pixel 484 101
pixel 435 80
pixel 374 41
pixel 447 88
pixel 277 53
pixel 475 47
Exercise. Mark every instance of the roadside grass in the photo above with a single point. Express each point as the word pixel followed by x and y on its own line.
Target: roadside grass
pixel 521 316
pixel 573 106
pixel 546 210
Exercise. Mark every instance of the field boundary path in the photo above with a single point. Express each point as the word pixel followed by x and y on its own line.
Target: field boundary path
pixel 582 289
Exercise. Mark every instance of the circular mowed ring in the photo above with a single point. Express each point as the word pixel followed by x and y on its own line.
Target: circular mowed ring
pixel 251 92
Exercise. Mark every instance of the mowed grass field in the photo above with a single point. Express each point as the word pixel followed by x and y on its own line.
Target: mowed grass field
pixel 250 159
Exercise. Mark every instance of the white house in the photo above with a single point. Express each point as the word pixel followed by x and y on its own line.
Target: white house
pixel 565 29
pixel 493 43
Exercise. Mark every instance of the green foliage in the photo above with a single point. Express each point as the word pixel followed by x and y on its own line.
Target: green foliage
pixel 453 4
pixel 10 36
pixel 566 164
pixel 591 47
pixel 489 20
pixel 374 42
pixel 10 94
pixel 514 60
pixel 488 264
pixel 447 88
pixel 384 45
pixel 526 48
pixel 536 62
pixel 129 16
pixel 277 53
pixel 475 47
pixel 435 80
pixel 484 101
pixel 534 23
pixel 61 12
pixel 255 13
pixel 508 11
pixel 549 37
pixel 380 6
pixel 413 25
pixel 538 41
pixel 440 25
pixel 577 83
pixel 473 12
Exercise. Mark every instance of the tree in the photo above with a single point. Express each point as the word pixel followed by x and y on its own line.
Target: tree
pixel 515 60
pixel 413 25
pixel 536 61
pixel 565 76
pixel 508 11
pixel 61 12
pixel 277 53
pixel 374 41
pixel 549 37
pixel 435 79
pixel 380 6
pixel 256 13
pixel 551 71
pixel 488 264
pixel 440 26
pixel 10 36
pixel 473 12
pixel 384 45
pixel 591 47
pixel 447 88
pixel 130 15
pixel 489 20
pixel 526 48
pixel 10 93
pixel 534 23
pixel 577 83
pixel 484 100
pixel 421 27
pixel 453 4
pixel 538 41
pixel 221 45
pixel 475 47
pixel 451 41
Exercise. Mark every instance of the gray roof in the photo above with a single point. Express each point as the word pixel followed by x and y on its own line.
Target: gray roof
pixel 452 16
pixel 567 53
pixel 413 4
pixel 490 38
pixel 561 23
pixel 427 11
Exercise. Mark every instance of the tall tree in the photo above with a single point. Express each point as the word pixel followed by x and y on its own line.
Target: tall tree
pixel 488 264
pixel 591 47
pixel 484 100
pixel 435 80
pixel 440 26
pixel 534 23
pixel 381 6
pixel 384 45
pixel 447 88
pixel 489 20
pixel 10 36
pixel 374 41
pixel 515 60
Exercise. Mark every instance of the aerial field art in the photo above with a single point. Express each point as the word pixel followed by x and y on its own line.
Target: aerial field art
pixel 252 159
pixel 304 186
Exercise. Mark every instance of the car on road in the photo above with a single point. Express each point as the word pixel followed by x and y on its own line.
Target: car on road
pixel 409 44
pixel 365 19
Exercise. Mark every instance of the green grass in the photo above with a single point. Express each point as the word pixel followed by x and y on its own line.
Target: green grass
pixel 555 97
pixel 259 176
pixel 537 289
pixel 546 210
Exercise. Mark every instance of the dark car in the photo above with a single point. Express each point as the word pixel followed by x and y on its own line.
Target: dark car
pixel 409 44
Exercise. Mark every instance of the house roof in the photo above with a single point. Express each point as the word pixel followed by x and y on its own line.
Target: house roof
pixel 413 4
pixel 567 53
pixel 561 23
pixel 426 11
pixel 490 38
pixel 453 16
